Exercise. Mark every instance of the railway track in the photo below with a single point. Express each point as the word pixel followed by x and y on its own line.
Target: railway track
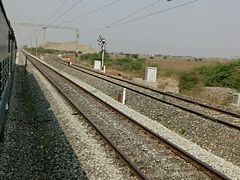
pixel 148 154
pixel 215 136
pixel 219 115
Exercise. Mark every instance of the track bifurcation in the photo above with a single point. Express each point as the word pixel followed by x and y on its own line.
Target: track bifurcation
pixel 146 153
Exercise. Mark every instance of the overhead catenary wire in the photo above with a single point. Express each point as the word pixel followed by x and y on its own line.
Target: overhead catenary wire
pixel 65 12
pixel 127 16
pixel 135 12
pixel 141 17
pixel 58 9
pixel 157 12
pixel 92 12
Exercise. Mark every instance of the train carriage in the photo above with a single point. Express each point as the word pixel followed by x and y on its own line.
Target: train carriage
pixel 8 49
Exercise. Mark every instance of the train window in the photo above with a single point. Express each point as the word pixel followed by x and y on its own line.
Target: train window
pixel 9 40
pixel 4 71
pixel 1 78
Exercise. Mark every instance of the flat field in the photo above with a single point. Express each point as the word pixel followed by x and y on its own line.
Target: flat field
pixel 183 63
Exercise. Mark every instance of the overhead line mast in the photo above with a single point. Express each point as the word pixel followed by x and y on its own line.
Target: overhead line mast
pixel 45 26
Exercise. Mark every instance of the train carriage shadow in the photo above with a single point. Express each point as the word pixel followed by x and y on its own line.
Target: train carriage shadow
pixel 35 145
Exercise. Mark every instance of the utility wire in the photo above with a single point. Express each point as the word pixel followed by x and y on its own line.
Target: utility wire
pixel 93 11
pixel 60 7
pixel 135 12
pixel 141 17
pixel 125 17
pixel 65 12
pixel 155 13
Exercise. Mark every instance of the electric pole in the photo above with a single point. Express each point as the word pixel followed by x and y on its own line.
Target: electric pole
pixel 36 44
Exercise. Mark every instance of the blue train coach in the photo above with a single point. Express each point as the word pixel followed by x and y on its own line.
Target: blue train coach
pixel 8 48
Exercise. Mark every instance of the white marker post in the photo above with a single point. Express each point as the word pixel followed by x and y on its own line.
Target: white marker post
pixel 104 69
pixel 124 96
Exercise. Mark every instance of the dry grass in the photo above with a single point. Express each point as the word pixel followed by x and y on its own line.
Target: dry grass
pixel 85 63
pixel 174 65
pixel 182 64
pixel 209 98
pixel 167 81
pixel 117 73
pixel 68 46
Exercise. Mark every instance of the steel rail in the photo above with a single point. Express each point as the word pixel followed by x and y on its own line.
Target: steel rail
pixel 164 93
pixel 202 166
pixel 120 154
pixel 214 119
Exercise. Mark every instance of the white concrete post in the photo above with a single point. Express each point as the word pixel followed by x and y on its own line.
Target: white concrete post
pixel 6 107
pixel 124 96
pixel 104 69
pixel 238 100
pixel 103 57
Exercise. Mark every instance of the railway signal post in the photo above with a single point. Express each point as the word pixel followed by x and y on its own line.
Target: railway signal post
pixel 102 43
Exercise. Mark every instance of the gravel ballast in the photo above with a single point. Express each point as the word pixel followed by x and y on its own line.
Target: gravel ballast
pixel 150 155
pixel 46 139
pixel 216 162
pixel 216 138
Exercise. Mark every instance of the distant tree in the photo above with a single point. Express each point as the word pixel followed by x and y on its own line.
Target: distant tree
pixel 135 56
pixel 128 55
pixel 25 46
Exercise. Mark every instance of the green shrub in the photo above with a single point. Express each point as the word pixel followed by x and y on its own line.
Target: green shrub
pixel 132 56
pixel 129 64
pixel 188 81
pixel 135 56
pixel 94 56
pixel 91 57
pixel 122 64
pixel 225 75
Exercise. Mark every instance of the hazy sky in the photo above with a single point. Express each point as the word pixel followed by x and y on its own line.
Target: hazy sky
pixel 203 28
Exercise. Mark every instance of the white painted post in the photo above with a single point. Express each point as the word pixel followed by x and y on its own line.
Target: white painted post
pixel 17 54
pixel 236 100
pixel 6 107
pixel 103 58
pixel 124 96
pixel 104 69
